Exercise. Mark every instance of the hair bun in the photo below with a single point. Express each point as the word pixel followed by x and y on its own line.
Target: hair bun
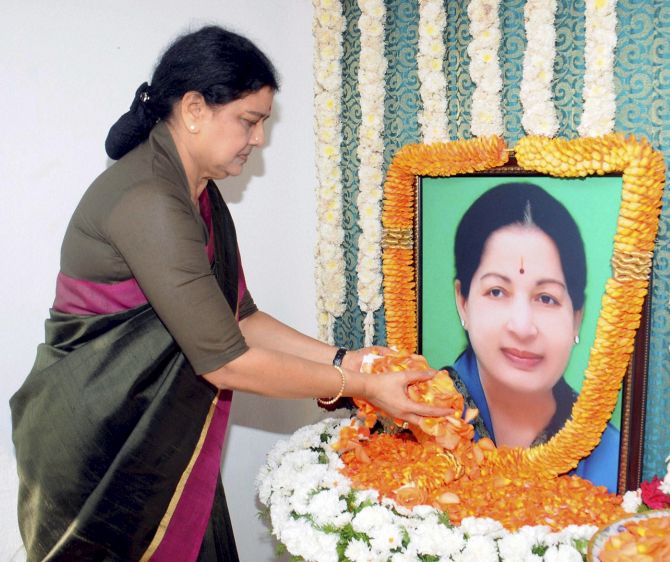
pixel 133 127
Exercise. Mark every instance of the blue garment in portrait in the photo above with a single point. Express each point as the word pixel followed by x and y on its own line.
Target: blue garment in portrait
pixel 600 467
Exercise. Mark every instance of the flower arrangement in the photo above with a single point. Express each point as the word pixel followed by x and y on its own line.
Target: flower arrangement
pixel 644 536
pixel 317 515
pixel 652 494
pixel 329 255
pixel 371 157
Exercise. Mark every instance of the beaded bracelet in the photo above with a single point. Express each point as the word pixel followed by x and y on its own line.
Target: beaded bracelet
pixel 339 394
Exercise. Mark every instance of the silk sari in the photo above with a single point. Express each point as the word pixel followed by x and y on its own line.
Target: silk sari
pixel 118 441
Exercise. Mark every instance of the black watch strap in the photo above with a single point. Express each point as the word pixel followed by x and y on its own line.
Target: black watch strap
pixel 337 361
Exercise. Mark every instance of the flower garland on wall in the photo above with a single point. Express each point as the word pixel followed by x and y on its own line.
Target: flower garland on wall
pixel 433 82
pixel 539 113
pixel 485 67
pixel 371 157
pixel 599 96
pixel 329 255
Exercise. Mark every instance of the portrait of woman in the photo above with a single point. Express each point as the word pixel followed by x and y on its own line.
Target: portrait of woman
pixel 520 278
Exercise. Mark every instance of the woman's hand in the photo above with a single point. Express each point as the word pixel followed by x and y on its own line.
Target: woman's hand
pixel 389 392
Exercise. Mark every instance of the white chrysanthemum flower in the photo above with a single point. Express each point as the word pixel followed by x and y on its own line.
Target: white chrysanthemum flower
pixel 425 511
pixel 406 556
pixel 535 534
pixel 385 538
pixel 514 546
pixel 576 532
pixel 264 484
pixel 336 482
pixel 479 549
pixel 280 515
pixel 484 526
pixel 326 507
pixel 433 539
pixel 632 500
pixel 371 517
pixel 562 553
pixel 358 551
pixel 277 452
pixel 302 539
pixel 363 496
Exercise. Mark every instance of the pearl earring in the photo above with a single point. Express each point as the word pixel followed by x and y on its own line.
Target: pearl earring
pixel 462 323
pixel 192 127
pixel 576 339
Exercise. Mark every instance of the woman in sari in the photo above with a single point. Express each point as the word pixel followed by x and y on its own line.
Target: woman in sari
pixel 119 427
pixel 520 291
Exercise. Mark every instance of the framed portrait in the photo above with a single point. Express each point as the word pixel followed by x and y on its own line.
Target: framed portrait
pixel 443 248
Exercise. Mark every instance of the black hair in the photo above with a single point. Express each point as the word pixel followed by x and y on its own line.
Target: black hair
pixel 524 204
pixel 218 63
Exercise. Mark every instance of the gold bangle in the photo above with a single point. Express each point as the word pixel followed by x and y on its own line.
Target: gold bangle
pixel 339 394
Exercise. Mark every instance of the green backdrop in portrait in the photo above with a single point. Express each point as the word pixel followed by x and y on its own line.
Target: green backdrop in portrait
pixel 593 202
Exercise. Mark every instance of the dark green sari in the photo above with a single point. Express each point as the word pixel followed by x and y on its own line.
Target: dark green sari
pixel 118 441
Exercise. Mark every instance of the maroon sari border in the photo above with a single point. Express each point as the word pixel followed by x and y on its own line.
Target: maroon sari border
pixel 180 533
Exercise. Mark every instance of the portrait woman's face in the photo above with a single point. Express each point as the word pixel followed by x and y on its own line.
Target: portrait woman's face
pixel 518 313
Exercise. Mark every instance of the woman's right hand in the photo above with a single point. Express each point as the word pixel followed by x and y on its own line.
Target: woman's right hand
pixel 388 392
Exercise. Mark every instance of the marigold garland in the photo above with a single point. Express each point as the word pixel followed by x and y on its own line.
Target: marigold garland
pixel 643 173
pixel 439 464
pixel 438 159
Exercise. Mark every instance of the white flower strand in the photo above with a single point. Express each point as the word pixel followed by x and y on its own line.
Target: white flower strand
pixel 599 96
pixel 539 112
pixel 432 79
pixel 485 67
pixel 306 497
pixel 371 86
pixel 327 29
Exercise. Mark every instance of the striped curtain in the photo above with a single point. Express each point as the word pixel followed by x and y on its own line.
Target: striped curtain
pixel 641 78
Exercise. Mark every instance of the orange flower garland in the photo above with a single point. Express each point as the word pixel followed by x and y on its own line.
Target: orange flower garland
pixel 439 159
pixel 438 464
pixel 643 172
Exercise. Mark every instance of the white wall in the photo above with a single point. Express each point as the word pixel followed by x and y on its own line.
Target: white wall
pixel 68 69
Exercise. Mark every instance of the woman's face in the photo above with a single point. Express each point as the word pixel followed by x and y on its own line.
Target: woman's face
pixel 518 314
pixel 229 132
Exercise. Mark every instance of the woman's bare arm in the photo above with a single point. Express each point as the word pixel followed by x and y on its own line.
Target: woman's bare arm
pixel 283 363
pixel 264 331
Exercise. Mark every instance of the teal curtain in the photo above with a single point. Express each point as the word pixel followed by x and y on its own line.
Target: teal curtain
pixel 642 73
